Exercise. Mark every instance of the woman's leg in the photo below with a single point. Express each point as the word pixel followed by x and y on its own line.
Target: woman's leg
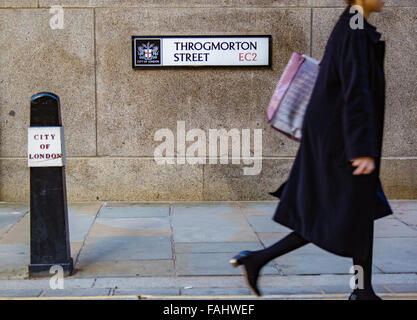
pixel 255 260
pixel 367 292
pixel 289 243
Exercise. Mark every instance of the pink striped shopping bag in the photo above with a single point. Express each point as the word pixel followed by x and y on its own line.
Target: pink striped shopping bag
pixel 286 109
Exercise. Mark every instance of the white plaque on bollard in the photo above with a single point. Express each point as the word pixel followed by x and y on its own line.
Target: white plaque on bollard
pixel 46 147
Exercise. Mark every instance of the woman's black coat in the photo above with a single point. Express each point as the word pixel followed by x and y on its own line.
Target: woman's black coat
pixel 322 200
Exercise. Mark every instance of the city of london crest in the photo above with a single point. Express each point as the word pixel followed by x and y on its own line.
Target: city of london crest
pixel 147 52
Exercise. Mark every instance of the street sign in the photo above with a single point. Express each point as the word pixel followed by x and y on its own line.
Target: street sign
pixel 201 51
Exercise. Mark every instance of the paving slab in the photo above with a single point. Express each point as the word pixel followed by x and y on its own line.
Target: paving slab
pixel 75 248
pixel 266 224
pixel 137 223
pixel 233 281
pixel 291 290
pixel 232 247
pixel 10 214
pixel 210 225
pixel 389 228
pixel 19 233
pixel 88 208
pixel 126 248
pixel 134 212
pixel 200 208
pixel 212 264
pixel 148 291
pixel 43 283
pixel 395 254
pixel 132 268
pixel 345 288
pixel 77 292
pixel 133 243
pixel 216 291
pixel 266 209
pixel 8 220
pixel 311 259
pixel 14 260
pixel 10 217
pixel 402 287
pixel 22 293
pixel 403 205
pixel 79 225
pixel 269 238
pixel 12 207
pixel 408 217
pixel 117 204
pixel 129 227
pixel 384 278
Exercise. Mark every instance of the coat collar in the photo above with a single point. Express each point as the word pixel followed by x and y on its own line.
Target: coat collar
pixel 374 35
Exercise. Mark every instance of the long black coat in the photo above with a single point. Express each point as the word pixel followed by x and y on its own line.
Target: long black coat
pixel 322 200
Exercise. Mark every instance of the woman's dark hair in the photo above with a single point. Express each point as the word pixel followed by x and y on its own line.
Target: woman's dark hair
pixel 349 1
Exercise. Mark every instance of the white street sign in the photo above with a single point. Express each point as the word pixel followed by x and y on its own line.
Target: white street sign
pixel 201 51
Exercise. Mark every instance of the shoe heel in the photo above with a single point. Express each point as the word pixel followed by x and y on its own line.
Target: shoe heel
pixel 237 259
pixel 234 262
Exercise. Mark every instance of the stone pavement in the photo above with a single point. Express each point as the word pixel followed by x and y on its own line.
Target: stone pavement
pixel 182 249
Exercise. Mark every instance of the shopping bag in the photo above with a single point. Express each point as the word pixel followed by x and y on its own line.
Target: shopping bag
pixel 287 106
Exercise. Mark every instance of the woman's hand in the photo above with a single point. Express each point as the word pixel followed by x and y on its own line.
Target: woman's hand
pixel 365 165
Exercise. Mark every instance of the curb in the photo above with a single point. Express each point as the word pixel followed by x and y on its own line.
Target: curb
pixel 339 296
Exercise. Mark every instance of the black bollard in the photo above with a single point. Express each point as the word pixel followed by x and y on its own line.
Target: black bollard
pixel 49 233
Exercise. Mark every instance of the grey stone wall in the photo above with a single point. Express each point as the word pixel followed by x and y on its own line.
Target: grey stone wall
pixel 111 112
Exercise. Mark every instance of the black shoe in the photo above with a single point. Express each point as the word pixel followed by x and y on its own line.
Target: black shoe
pixel 355 295
pixel 250 270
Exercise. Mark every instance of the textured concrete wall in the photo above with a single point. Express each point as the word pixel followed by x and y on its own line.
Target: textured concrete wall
pixel 111 112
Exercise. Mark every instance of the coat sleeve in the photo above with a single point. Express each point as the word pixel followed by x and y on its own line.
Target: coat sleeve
pixel 358 110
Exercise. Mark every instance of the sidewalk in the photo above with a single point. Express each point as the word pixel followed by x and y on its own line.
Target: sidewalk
pixel 159 250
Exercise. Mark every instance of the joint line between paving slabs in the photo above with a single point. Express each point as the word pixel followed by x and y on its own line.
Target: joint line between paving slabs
pixel 86 236
pixel 172 240
pixel 14 225
pixel 262 244
pixel 404 222
pixel 387 288
pixel 320 289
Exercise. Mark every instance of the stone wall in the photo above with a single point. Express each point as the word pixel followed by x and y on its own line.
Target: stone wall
pixel 111 112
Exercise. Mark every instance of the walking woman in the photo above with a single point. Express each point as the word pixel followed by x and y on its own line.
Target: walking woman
pixel 333 193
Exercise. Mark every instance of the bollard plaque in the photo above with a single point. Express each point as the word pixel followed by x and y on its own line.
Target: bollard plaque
pixel 46 147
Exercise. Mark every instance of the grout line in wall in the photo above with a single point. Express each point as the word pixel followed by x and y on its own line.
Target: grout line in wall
pixel 95 74
pixel 208 158
pixel 199 7
pixel 311 32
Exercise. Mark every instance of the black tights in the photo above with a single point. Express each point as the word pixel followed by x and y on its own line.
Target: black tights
pixel 289 243
pixel 366 264
pixel 294 241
